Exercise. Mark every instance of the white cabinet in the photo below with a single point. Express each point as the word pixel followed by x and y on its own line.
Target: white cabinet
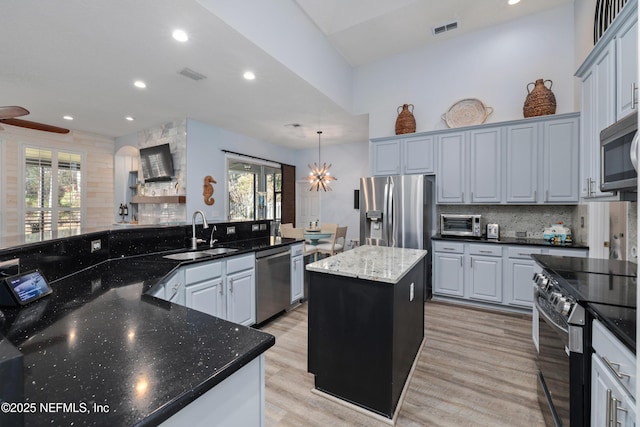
pixel 561 143
pixel 489 274
pixel 241 289
pixel 451 169
pixel 385 158
pixel 403 155
pixel 297 272
pixel 485 272
pixel 223 288
pixel 608 81
pixel 627 67
pixel 613 380
pixel 519 270
pixel 448 268
pixel 522 163
pixel 486 165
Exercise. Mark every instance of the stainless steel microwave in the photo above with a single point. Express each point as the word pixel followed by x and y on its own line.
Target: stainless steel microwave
pixel 618 155
pixel 460 225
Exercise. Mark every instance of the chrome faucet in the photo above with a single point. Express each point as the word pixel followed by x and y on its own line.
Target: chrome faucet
pixel 212 241
pixel 194 239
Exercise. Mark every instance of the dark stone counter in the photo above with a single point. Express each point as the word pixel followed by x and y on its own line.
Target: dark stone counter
pixel 513 241
pixel 98 339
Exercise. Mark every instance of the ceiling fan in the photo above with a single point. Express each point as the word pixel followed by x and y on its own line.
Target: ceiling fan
pixel 8 116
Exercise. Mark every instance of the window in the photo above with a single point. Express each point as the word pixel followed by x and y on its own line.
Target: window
pixel 53 193
pixel 254 190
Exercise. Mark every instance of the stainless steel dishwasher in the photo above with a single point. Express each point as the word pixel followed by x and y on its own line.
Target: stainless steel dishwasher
pixel 273 282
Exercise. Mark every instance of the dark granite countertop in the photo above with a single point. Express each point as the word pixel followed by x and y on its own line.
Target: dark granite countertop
pixel 512 241
pixel 621 321
pixel 98 338
pixel 605 287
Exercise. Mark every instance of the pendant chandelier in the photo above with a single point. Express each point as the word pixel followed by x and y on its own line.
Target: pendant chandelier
pixel 320 177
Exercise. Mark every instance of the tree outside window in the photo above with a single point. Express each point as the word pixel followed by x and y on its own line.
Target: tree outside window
pixel 53 193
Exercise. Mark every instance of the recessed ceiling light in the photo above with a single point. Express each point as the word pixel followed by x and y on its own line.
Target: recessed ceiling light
pixel 67 117
pixel 180 35
pixel 249 75
pixel 129 118
pixel 512 2
pixel 140 84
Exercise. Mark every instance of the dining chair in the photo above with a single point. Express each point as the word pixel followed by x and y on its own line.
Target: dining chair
pixel 327 228
pixel 337 243
pixel 298 233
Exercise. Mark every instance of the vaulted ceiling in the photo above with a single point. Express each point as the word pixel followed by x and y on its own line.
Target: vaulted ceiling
pixel 81 58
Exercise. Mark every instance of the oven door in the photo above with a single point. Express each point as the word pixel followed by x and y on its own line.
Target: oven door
pixel 554 375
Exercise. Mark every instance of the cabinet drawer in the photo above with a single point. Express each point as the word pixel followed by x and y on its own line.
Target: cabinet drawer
pixel 614 355
pixel 489 250
pixel 203 271
pixel 453 247
pixel 523 251
pixel 240 263
pixel 296 250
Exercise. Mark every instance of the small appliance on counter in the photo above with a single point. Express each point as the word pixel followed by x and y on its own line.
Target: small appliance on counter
pixel 460 225
pixel 557 233
pixel 493 231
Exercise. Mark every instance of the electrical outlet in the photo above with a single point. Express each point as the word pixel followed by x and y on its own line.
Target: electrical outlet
pixel 263 227
pixel 231 230
pixel 96 245
pixel 255 227
pixel 521 234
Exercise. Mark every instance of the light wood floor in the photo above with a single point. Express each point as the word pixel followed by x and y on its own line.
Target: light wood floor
pixel 477 368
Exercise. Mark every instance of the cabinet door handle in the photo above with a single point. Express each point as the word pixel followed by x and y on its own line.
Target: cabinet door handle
pixel 448 249
pixel 461 262
pixel 175 290
pixel 634 100
pixel 608 409
pixel 612 366
pixel 231 285
pixel 535 195
pixel 485 252
pixel 463 197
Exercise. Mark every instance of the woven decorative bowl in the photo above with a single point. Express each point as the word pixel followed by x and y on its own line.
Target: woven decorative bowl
pixel 467 112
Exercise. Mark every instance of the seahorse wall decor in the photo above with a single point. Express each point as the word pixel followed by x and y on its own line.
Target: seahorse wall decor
pixel 208 190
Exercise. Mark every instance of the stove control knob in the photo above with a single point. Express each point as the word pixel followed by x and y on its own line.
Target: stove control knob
pixel 566 307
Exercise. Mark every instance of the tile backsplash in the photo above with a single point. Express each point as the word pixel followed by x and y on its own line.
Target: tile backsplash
pixel 530 219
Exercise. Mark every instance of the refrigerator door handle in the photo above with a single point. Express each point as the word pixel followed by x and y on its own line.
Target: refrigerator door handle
pixel 385 212
pixel 391 220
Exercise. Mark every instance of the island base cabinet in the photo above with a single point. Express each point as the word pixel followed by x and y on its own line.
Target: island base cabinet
pixel 364 336
pixel 237 401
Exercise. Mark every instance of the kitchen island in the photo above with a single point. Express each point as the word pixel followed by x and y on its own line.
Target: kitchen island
pixel 366 325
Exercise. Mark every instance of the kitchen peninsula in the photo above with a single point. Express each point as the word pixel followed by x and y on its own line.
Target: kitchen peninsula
pixel 366 325
pixel 111 353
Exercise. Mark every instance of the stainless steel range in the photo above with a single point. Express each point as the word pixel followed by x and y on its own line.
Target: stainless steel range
pixel 563 293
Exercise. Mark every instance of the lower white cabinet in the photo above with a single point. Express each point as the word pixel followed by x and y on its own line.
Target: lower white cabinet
pixel 518 283
pixel 222 288
pixel 489 273
pixel 297 272
pixel 613 380
pixel 448 268
pixel 485 272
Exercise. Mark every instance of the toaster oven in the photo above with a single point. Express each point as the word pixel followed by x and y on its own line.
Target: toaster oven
pixel 460 225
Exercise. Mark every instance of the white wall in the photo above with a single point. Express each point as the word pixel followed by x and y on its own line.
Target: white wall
pixel 204 157
pixel 494 65
pixel 349 163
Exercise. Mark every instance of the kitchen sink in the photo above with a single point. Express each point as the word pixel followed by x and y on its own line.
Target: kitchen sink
pixel 187 256
pixel 218 251
pixel 199 254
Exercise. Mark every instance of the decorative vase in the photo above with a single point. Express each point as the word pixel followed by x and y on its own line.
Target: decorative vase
pixel 405 123
pixel 540 101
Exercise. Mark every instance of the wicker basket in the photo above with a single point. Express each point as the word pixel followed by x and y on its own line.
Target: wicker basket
pixel 405 123
pixel 540 101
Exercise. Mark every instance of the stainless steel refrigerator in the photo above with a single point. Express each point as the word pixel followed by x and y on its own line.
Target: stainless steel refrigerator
pixel 398 211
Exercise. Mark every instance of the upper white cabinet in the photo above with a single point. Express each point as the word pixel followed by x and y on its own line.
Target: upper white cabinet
pixel 403 155
pixel 451 178
pixel 485 184
pixel 561 141
pixel 522 151
pixel 609 92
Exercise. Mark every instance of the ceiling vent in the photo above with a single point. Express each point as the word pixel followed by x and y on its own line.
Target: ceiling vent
pixel 193 75
pixel 444 28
